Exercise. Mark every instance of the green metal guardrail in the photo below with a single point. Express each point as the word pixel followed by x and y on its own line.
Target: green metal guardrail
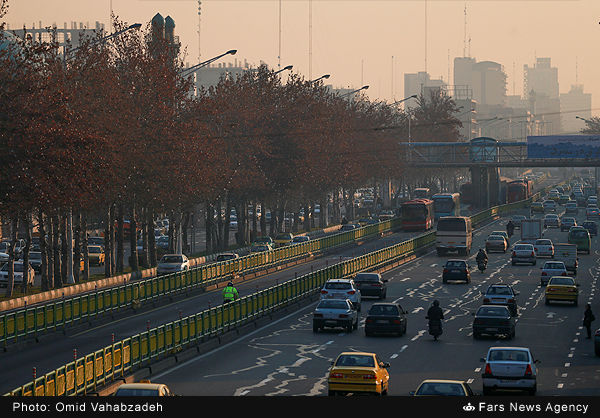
pixel 30 322
pixel 87 374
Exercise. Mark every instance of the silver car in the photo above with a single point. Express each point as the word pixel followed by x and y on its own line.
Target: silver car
pixel 171 263
pixel 335 313
pixel 341 289
pixel 501 294
pixel 523 253
pixel 550 269
pixel 509 368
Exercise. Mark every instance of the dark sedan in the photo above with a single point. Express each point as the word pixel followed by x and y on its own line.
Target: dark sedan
pixel 385 318
pixel 493 320
pixel 456 270
pixel 371 284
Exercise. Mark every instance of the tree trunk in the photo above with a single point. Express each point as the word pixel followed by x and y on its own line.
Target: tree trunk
pixel 227 225
pixel 64 263
pixel 133 258
pixel 263 220
pixel 45 286
pixel 11 257
pixel 69 248
pixel 26 224
pixel 120 253
pixel 111 238
pixel 108 254
pixel 145 239
pixel 50 253
pixel 56 246
pixel 151 238
pixel 84 247
pixel 77 248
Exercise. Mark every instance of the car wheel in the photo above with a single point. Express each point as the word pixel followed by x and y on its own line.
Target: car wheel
pixel 355 326
pixel 487 391
pixel 368 333
pixel 575 302
pixel 534 263
pixel 533 390
pixel 349 327
pixel 315 328
pixel 476 335
pixel 444 281
pixel 547 302
pixel 331 393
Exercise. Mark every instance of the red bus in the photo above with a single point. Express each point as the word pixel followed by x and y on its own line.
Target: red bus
pixel 417 215
pixel 517 190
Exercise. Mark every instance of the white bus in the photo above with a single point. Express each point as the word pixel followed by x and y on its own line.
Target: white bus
pixel 454 233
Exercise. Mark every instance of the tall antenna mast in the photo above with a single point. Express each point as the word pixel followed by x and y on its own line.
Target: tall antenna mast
pixel 393 95
pixel 576 72
pixel 425 35
pixel 279 51
pixel 465 35
pixel 199 21
pixel 310 39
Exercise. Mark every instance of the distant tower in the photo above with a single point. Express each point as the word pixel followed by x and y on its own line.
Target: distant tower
pixel 199 22
pixel 158 27
pixel 169 29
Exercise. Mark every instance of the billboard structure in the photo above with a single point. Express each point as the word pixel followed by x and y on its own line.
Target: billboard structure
pixel 563 147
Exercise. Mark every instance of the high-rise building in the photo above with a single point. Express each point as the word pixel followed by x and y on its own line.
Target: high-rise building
pixel 485 79
pixel 65 37
pixel 540 89
pixel 420 83
pixel 575 103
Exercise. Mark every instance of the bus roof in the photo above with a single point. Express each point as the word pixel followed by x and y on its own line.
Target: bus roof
pixel 418 201
pixel 444 195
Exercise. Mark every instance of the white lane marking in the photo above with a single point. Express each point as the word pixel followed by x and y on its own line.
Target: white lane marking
pixel 420 334
pixel 416 310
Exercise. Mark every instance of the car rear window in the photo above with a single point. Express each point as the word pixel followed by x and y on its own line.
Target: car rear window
pixel 523 247
pixel 333 304
pixel 357 360
pixel 554 266
pixel 451 224
pixel 509 355
pixel 455 264
pixel 338 286
pixel 361 277
pixel 497 290
pixel 543 242
pixel 441 389
pixel 560 280
pixel 383 310
pixel 492 311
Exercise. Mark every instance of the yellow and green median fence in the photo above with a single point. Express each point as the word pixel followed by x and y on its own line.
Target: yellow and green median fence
pixel 87 374
pixel 30 322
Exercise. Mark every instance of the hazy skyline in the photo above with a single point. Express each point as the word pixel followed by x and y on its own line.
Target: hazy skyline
pixel 354 39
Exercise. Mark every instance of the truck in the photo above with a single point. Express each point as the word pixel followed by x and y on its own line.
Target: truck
pixel 588 191
pixel 567 253
pixel 531 230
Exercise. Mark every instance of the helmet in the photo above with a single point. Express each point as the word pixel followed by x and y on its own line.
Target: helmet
pixel 230 284
pixel 436 303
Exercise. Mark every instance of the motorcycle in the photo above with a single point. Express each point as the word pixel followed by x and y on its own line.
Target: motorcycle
pixel 435 328
pixel 482 265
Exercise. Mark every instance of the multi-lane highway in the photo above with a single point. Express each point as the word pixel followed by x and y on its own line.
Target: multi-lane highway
pixel 287 358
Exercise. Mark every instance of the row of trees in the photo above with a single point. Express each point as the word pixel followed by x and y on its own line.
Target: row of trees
pixel 111 130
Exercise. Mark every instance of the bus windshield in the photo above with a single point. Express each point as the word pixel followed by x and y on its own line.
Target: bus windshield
pixel 443 204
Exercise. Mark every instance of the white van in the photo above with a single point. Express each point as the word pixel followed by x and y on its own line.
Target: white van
pixel 454 233
pixel 567 253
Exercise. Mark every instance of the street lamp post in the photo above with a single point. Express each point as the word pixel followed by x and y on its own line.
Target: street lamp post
pixel 187 71
pixel 354 91
pixel 289 67
pixel 320 78
pixel 414 96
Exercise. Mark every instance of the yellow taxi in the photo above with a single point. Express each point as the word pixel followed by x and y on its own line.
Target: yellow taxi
pixel 562 288
pixel 358 372
pixel 143 388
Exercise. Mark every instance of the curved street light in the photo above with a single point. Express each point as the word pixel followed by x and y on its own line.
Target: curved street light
pixel 188 71
pixel 414 96
pixel 320 78
pixel 355 91
pixel 106 38
pixel 289 67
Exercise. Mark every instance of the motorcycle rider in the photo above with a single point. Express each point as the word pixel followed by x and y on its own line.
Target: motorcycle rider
pixel 481 256
pixel 435 316
pixel 510 228
pixel 230 293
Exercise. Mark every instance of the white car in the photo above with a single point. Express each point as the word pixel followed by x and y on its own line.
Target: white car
pixel 543 248
pixel 227 256
pixel 18 274
pixel 509 368
pixel 549 205
pixel 342 289
pixel 552 268
pixel 171 263
pixel 523 253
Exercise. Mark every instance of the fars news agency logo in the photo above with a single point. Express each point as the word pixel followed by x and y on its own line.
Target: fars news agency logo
pixel 468 407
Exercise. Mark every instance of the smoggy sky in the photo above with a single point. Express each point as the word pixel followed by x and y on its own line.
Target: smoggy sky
pixel 356 39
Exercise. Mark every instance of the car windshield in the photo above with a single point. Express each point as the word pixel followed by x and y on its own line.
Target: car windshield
pixel 390 310
pixel 495 237
pixel 508 355
pixel 366 277
pixel 441 389
pixel 356 360
pixel 554 266
pixel 492 311
pixel 332 304
pixel 455 264
pixel 562 280
pixel 225 257
pixel 172 259
pixel 338 286
pixel 35 256
pixel 283 236
pixel 551 216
